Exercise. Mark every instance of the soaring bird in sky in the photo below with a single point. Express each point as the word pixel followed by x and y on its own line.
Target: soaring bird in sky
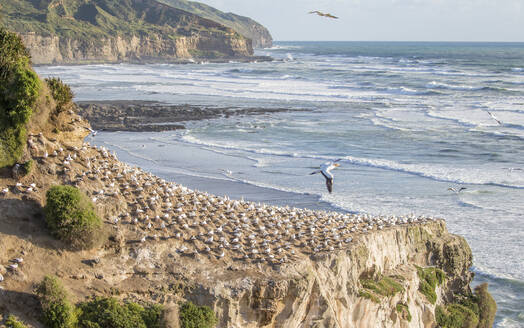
pixel 325 170
pixel 323 14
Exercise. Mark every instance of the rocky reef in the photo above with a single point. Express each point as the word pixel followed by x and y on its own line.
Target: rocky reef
pixel 122 115
pixel 71 31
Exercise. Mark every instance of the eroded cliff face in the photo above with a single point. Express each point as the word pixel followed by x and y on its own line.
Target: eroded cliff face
pixel 323 290
pixel 62 50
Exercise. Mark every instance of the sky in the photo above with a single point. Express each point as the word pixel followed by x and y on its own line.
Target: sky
pixel 385 20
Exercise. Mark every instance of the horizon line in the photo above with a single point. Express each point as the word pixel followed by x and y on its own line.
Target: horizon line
pixel 399 41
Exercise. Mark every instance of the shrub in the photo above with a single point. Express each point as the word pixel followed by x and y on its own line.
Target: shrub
pixel 27 167
pixel 429 279
pixel 486 305
pixel 109 313
pixel 57 311
pixel 192 316
pixel 11 322
pixel 71 218
pixel 60 91
pixel 456 316
pixel 19 90
pixel 385 286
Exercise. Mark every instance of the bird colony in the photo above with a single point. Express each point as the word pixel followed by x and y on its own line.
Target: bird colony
pixel 197 223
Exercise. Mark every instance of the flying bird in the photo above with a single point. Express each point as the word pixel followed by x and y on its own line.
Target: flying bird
pixel 323 14
pixel 325 170
pixel 493 117
pixel 457 190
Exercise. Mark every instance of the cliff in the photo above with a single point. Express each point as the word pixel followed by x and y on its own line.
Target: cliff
pixel 73 31
pixel 254 265
pixel 244 25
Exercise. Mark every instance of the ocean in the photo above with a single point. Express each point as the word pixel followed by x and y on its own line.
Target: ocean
pixel 407 121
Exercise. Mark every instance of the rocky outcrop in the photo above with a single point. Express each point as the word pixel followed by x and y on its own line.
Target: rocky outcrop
pixel 122 115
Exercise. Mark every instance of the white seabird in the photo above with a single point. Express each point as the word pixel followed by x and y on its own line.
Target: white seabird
pixel 493 117
pixel 325 170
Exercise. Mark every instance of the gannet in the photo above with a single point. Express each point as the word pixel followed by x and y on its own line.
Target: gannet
pixel 493 117
pixel 323 14
pixel 457 190
pixel 325 170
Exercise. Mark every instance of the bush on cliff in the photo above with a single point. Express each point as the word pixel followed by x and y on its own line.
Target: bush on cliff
pixel 109 313
pixel 57 311
pixel 475 311
pixel 429 279
pixel 71 218
pixel 487 306
pixel 19 90
pixel 61 93
pixel 11 322
pixel 192 316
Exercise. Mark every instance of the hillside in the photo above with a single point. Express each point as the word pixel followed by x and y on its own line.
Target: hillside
pixel 77 31
pixel 243 25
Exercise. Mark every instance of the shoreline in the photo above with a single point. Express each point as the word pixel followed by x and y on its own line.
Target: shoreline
pixel 181 61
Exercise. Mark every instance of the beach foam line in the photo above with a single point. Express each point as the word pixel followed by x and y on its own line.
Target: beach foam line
pixel 469 176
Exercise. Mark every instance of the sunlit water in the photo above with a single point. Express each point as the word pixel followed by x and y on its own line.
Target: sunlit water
pixel 408 120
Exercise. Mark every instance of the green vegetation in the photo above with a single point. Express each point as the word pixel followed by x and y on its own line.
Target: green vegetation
pixel 403 310
pixel 109 313
pixel 243 25
pixel 57 311
pixel 99 312
pixel 455 316
pixel 71 218
pixel 19 90
pixel 192 316
pixel 27 167
pixel 384 286
pixel 370 296
pixel 91 22
pixel 61 93
pixel 474 311
pixel 487 306
pixel 11 322
pixel 429 279
pixel 380 287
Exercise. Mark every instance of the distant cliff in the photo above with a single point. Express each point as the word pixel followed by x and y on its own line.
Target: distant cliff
pixel 75 31
pixel 243 25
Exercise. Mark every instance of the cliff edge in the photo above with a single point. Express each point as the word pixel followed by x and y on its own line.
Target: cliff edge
pixel 74 31
pixel 254 265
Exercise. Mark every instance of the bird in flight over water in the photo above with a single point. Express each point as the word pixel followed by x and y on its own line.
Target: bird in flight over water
pixel 493 117
pixel 325 170
pixel 323 14
pixel 457 190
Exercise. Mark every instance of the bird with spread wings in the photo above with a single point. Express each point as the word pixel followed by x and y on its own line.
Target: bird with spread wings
pixel 325 170
pixel 323 14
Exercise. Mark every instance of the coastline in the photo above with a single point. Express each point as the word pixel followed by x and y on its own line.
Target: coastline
pixel 181 61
